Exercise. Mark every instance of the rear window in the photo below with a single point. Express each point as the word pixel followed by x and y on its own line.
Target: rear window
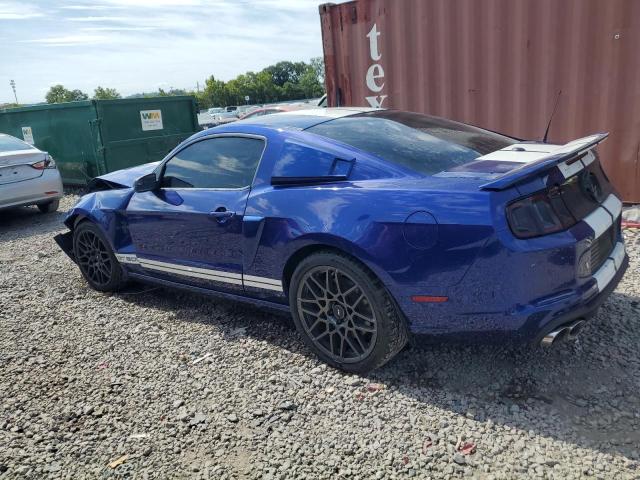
pixel 422 143
pixel 10 144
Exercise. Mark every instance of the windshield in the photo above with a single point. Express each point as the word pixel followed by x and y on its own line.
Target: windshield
pixel 422 143
pixel 10 144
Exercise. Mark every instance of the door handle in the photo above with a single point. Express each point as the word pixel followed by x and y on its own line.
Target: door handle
pixel 222 215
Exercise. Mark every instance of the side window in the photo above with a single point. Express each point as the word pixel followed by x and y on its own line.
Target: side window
pixel 223 162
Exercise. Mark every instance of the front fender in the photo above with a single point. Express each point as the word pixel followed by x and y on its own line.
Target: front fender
pixel 106 210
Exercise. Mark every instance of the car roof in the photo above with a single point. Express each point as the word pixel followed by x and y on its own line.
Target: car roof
pixel 6 135
pixel 303 118
pixel 15 146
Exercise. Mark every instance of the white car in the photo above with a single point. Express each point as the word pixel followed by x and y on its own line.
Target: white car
pixel 28 176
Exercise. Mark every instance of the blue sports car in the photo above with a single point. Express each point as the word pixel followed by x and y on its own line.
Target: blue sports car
pixel 373 227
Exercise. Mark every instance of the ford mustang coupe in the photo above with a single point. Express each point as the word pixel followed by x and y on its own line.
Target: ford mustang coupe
pixel 373 227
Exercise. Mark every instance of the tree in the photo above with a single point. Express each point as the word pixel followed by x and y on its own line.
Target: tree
pixel 283 72
pixel 280 82
pixel 59 94
pixel 310 84
pixel 213 94
pixel 105 93
pixel 56 94
pixel 76 95
pixel 317 63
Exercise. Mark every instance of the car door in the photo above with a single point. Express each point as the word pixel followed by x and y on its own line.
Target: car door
pixel 190 229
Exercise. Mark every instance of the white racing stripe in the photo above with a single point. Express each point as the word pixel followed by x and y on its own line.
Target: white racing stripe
pixel 599 220
pixel 128 258
pixel 263 280
pixel 186 268
pixel 522 153
pixel 203 273
pixel 266 286
pixel 618 255
pixel 588 159
pixel 613 205
pixel 570 170
pixel 191 273
pixel 606 273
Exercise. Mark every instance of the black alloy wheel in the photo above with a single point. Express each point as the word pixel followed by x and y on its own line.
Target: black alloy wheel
pixel 344 313
pixel 96 259
pixel 336 314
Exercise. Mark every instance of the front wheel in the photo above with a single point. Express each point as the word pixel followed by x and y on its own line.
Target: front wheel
pixel 95 258
pixel 344 313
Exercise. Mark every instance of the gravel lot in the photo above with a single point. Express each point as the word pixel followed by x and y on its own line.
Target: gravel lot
pixel 173 385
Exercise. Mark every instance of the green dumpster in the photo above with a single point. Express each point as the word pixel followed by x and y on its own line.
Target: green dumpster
pixel 94 137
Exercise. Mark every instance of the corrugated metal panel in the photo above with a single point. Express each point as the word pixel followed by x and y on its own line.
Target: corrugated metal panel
pixel 499 64
pixel 94 137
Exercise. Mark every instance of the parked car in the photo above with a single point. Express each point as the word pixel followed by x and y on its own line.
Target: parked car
pixel 215 110
pixel 28 176
pixel 225 117
pixel 372 227
pixel 259 112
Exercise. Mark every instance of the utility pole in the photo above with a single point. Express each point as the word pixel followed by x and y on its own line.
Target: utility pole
pixel 13 86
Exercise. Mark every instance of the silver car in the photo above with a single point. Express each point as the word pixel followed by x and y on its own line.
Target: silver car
pixel 28 176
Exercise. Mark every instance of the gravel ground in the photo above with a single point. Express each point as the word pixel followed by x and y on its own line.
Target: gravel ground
pixel 152 383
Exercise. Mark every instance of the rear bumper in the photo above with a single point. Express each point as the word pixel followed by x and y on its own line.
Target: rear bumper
pixel 33 191
pixel 584 307
pixel 525 322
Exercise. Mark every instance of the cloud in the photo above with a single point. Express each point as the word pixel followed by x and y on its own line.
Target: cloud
pixel 135 45
pixel 69 40
pixel 117 29
pixel 86 7
pixel 102 19
pixel 18 11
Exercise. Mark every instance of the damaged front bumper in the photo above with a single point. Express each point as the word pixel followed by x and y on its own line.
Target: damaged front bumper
pixel 65 242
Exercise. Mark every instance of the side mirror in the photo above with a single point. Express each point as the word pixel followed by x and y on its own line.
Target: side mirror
pixel 147 183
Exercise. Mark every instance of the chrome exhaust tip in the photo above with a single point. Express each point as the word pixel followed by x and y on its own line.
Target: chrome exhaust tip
pixel 565 332
pixel 554 337
pixel 575 329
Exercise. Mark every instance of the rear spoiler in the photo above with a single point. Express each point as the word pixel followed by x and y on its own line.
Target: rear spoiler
pixel 562 154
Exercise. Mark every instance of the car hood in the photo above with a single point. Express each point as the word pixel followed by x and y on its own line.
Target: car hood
pixel 122 178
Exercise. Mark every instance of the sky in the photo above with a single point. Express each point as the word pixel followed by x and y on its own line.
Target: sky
pixel 141 45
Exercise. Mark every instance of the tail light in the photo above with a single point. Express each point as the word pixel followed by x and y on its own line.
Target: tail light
pixel 48 162
pixel 539 214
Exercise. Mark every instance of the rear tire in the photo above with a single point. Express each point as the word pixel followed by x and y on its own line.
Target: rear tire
pixel 49 207
pixel 95 258
pixel 344 313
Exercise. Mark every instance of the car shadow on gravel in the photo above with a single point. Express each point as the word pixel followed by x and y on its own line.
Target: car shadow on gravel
pixel 584 393
pixel 23 222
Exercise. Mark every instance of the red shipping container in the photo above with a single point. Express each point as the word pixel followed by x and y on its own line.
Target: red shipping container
pixel 498 64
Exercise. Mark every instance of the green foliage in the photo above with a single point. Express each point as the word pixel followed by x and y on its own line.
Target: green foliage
pixel 280 82
pixel 59 94
pixel 317 63
pixel 105 93
pixel 162 93
pixel 276 83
